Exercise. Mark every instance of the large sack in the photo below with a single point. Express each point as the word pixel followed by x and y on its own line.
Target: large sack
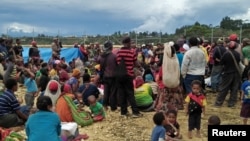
pixel 170 68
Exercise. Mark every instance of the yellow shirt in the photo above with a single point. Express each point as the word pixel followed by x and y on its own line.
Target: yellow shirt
pixel 52 73
pixel 205 52
pixel 202 100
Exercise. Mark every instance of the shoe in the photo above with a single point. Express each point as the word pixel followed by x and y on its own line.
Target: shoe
pixel 137 115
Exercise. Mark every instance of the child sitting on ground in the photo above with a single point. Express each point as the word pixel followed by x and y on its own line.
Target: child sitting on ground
pixel 96 108
pixel 172 126
pixel 159 132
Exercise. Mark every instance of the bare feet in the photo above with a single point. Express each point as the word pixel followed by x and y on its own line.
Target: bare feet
pixel 198 134
pixel 190 134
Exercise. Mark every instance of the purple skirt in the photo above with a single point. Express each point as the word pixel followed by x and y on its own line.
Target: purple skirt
pixel 245 110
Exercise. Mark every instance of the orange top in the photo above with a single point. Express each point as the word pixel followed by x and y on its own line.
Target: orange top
pixel 63 109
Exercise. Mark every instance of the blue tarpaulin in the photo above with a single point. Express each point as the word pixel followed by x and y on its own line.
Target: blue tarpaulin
pixel 68 53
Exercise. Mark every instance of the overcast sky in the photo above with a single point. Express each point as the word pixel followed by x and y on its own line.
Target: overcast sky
pixel 79 17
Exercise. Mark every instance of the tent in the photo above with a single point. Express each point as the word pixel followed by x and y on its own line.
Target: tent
pixel 68 53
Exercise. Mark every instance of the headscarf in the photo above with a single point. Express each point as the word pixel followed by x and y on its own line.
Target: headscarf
pixel 79 65
pixel 149 78
pixel 67 88
pixel 76 72
pixel 138 81
pixel 53 90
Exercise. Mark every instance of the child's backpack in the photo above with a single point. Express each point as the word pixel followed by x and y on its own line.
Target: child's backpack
pixel 82 118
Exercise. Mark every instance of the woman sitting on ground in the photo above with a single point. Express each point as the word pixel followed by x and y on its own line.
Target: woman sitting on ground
pixel 143 95
pixel 68 111
pixel 62 107
pixel 87 89
pixel 44 124
pixel 74 80
pixel 53 90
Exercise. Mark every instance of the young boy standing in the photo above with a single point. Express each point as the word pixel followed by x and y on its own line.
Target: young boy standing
pixel 196 103
pixel 31 87
pixel 245 96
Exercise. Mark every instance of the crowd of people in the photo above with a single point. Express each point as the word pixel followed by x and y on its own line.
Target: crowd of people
pixel 162 79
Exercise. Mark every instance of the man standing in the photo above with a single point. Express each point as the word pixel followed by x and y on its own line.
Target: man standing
pixel 55 46
pixel 219 50
pixel 193 65
pixel 230 76
pixel 3 48
pixel 108 64
pixel 126 90
pixel 246 56
pixel 18 49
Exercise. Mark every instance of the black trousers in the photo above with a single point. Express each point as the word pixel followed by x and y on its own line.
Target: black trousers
pixel 126 95
pixel 110 93
pixel 229 81
pixel 194 121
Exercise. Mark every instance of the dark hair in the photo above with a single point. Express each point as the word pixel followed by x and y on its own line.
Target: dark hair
pixel 248 73
pixel 86 70
pixel 171 112
pixel 86 77
pixel 54 65
pixel 158 118
pixel 10 83
pixel 1 59
pixel 214 120
pixel 196 82
pixel 200 41
pixel 172 51
pixel 26 65
pixel 43 102
pixel 126 40
pixel 62 87
pixel 193 41
pixel 177 47
pixel 11 58
pixel 2 40
pixel 17 40
pixel 44 65
pixel 64 66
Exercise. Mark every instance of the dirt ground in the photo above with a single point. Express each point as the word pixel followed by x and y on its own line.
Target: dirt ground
pixel 117 128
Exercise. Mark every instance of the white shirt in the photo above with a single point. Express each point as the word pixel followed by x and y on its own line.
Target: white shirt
pixel 194 62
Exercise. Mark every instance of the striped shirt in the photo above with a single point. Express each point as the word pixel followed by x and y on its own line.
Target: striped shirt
pixel 129 56
pixel 8 103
